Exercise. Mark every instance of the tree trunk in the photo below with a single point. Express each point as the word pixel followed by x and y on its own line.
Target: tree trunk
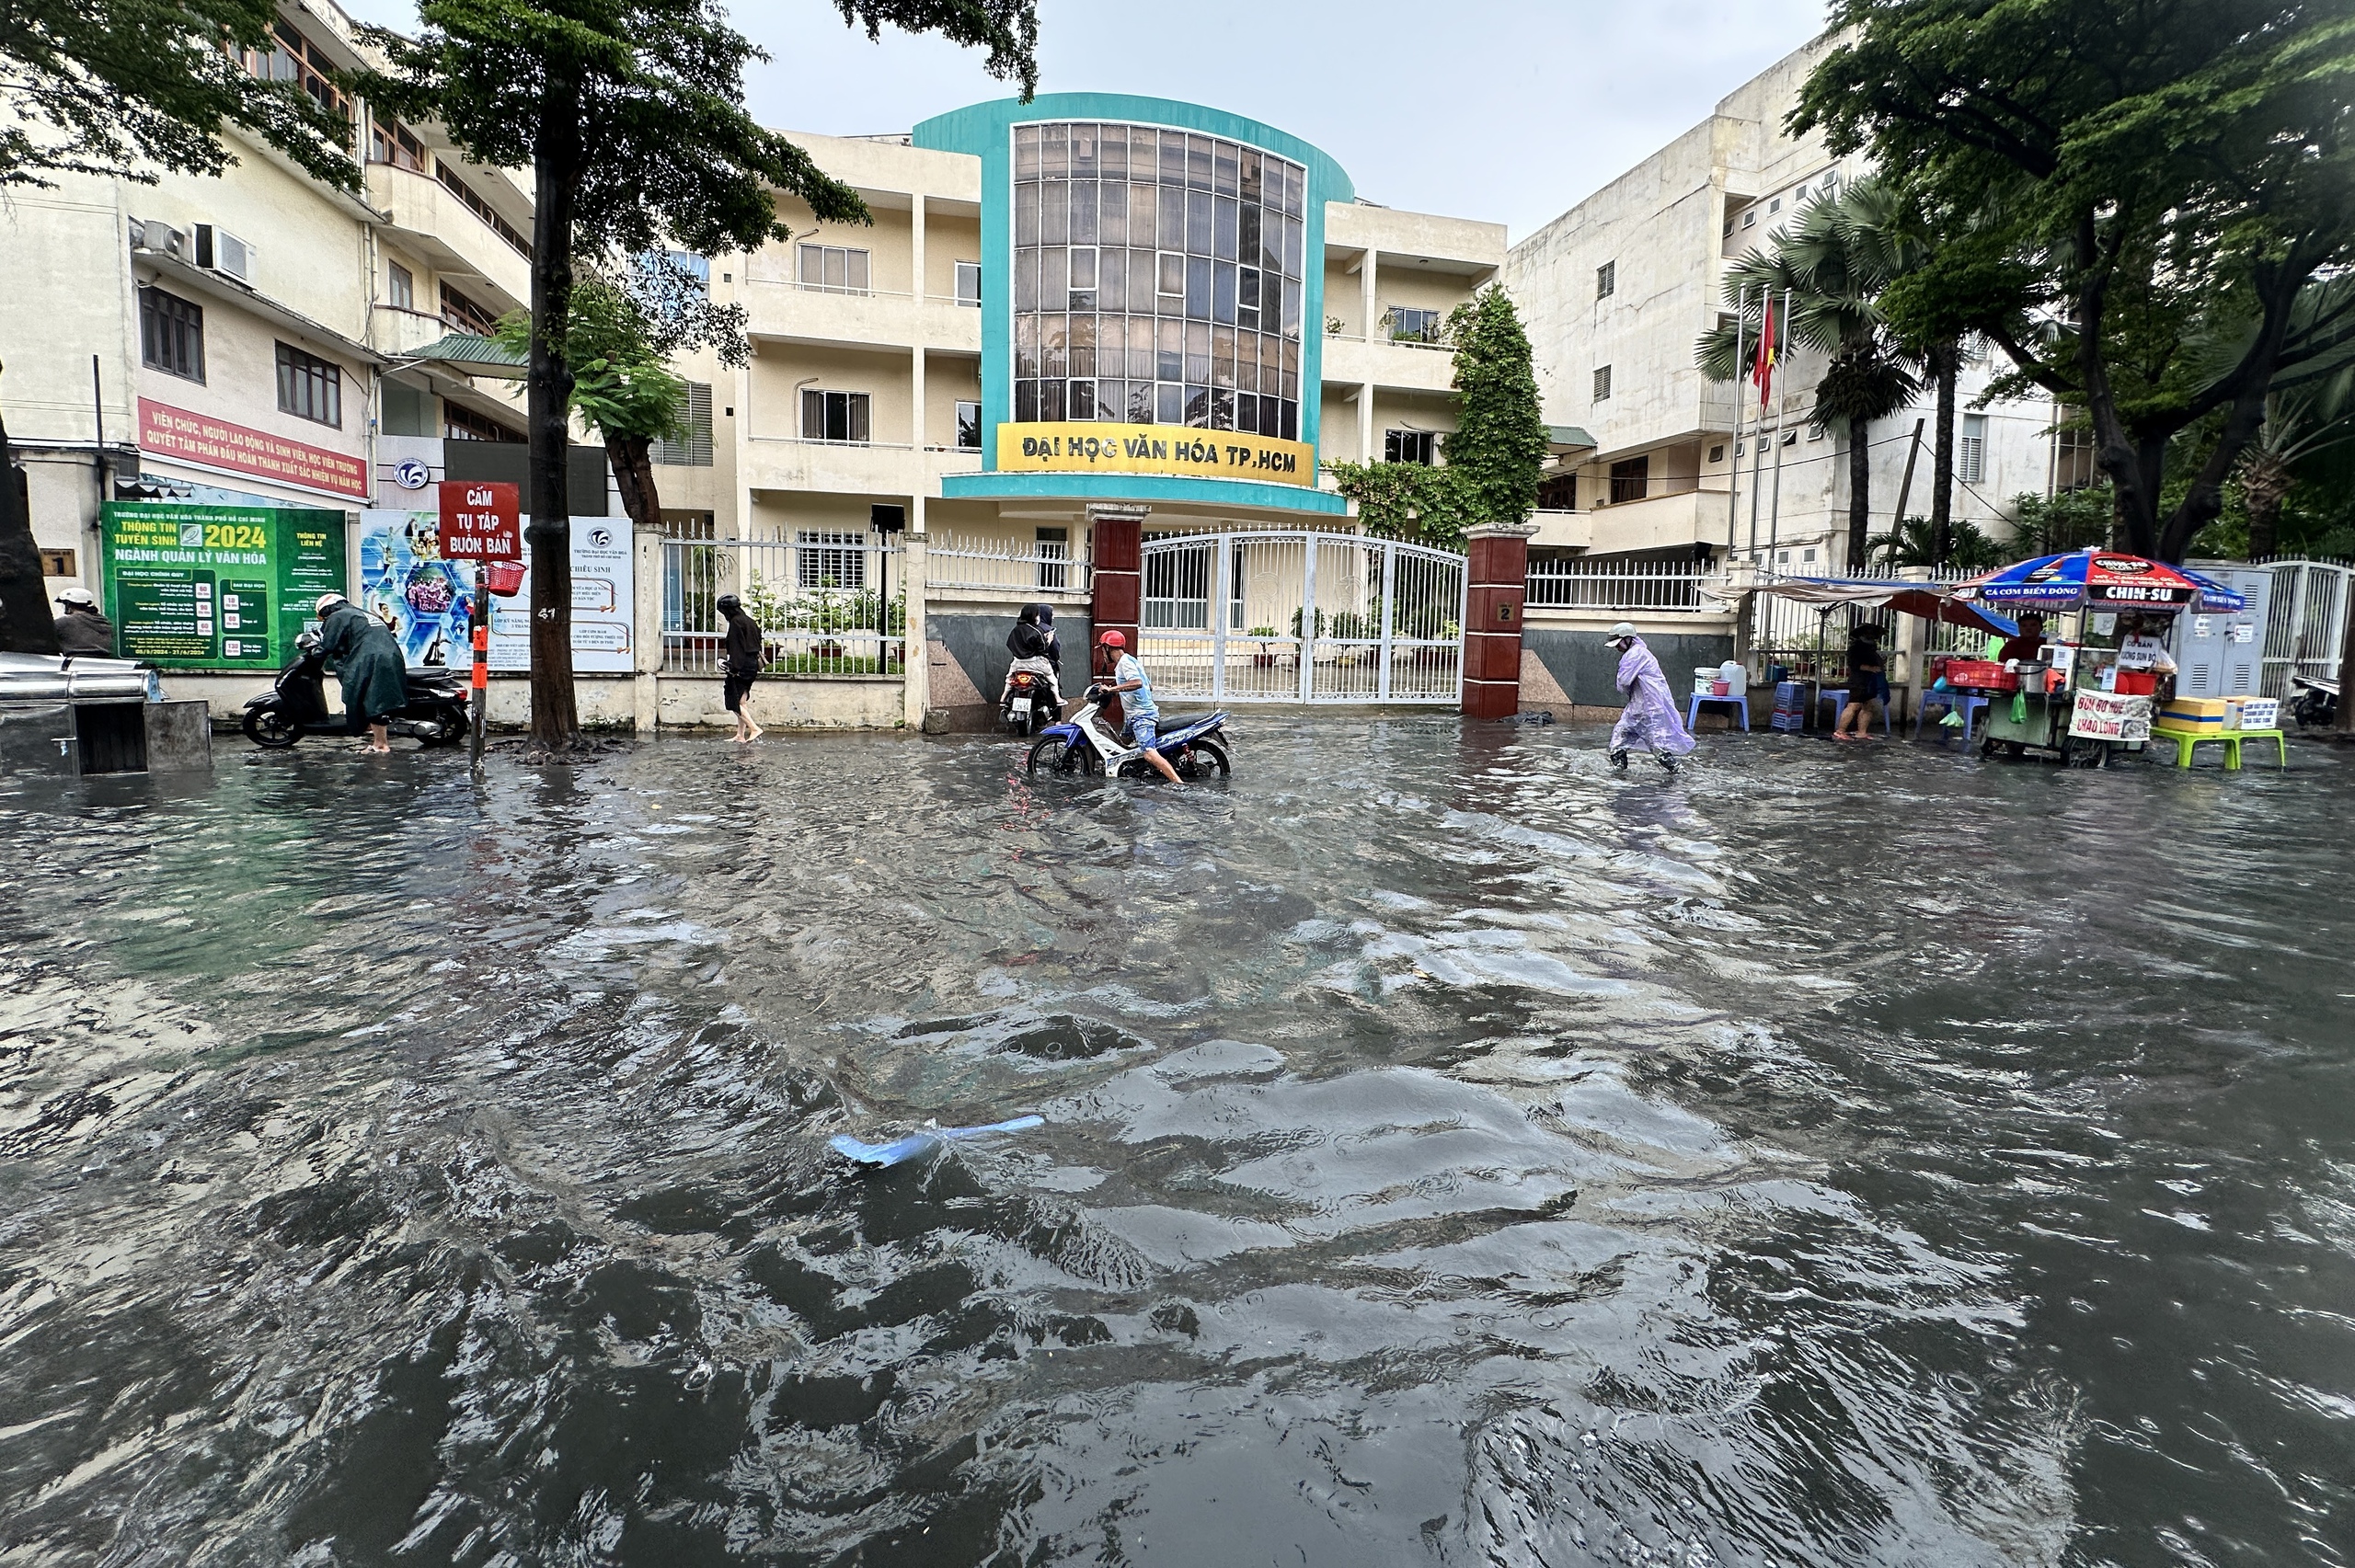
pixel 1860 494
pixel 556 180
pixel 1946 362
pixel 2265 483
pixel 633 461
pixel 27 624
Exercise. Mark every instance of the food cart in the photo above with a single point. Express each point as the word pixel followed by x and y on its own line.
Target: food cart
pixel 2093 694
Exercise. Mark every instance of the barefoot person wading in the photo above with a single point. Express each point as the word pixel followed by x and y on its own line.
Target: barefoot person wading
pixel 1651 720
pixel 744 658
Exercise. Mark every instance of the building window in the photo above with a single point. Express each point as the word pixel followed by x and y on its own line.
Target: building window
pixel 1606 280
pixel 1970 456
pixel 466 425
pixel 293 58
pixel 1416 325
pixel 171 334
pixel 464 313
pixel 823 559
pixel 687 264
pixel 693 449
pixel 309 387
pixel 1831 183
pixel 2073 458
pixel 1630 479
pixel 833 416
pixel 835 270
pixel 1410 446
pixel 393 144
pixel 474 203
pixel 1749 218
pixel 1775 205
pixel 969 283
pixel 1559 493
pixel 400 288
pixel 1054 557
pixel 1158 279
pixel 969 426
pixel 1602 383
pixel 1717 452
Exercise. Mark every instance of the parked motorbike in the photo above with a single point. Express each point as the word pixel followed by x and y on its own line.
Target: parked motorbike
pixel 1087 747
pixel 435 713
pixel 1028 705
pixel 2313 701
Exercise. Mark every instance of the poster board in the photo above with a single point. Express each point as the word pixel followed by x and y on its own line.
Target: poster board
pixel 215 587
pixel 2107 715
pixel 430 600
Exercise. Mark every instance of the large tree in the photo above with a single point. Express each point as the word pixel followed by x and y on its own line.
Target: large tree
pixel 629 114
pixel 2138 175
pixel 131 88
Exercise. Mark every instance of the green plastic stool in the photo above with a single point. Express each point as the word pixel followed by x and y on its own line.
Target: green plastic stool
pixel 2232 740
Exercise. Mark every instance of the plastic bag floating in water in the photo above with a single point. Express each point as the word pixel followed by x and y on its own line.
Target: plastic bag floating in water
pixel 901 1150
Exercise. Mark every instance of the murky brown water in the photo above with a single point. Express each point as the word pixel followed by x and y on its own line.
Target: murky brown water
pixel 1455 1154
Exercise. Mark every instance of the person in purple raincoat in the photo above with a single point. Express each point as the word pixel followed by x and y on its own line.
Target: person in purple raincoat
pixel 1651 720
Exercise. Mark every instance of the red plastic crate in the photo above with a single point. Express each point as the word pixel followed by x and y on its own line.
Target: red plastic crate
pixel 1981 675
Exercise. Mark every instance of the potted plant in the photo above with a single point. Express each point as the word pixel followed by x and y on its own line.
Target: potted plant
pixel 1264 657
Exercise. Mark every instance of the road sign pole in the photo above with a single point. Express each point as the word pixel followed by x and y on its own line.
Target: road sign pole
pixel 479 698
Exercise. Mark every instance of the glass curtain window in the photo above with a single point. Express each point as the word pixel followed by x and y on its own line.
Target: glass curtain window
pixel 1158 278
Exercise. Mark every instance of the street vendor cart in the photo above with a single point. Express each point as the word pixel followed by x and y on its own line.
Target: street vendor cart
pixel 2092 693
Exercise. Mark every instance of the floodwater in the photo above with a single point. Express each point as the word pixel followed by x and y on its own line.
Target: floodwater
pixel 1454 1154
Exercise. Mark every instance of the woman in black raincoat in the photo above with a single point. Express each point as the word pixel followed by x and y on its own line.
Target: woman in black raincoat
pixel 367 661
pixel 1036 649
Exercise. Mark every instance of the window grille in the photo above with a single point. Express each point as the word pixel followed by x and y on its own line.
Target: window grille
pixel 1606 280
pixel 465 315
pixel 693 449
pixel 825 559
pixel 1970 454
pixel 171 334
pixel 1602 383
pixel 309 387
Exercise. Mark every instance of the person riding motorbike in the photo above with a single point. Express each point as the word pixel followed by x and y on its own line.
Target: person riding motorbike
pixel 82 629
pixel 1143 712
pixel 1037 651
pixel 367 662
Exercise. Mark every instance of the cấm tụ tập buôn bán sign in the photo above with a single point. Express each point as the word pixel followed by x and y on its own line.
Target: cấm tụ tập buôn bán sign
pixel 1088 447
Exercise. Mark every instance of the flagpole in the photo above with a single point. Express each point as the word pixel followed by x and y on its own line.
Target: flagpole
pixel 1782 415
pixel 1764 370
pixel 1733 468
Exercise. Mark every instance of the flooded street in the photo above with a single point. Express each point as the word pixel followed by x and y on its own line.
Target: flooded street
pixel 1454 1153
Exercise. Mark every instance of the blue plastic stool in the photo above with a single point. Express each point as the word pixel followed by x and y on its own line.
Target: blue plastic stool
pixel 1970 705
pixel 1693 709
pixel 1838 697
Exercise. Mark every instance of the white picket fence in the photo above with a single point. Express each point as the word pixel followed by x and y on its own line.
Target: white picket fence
pixel 1011 565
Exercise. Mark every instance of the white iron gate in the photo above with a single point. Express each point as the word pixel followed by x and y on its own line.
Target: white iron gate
pixel 2305 621
pixel 1303 618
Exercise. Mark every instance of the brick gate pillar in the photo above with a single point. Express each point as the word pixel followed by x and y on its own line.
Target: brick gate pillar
pixel 1500 575
pixel 1116 536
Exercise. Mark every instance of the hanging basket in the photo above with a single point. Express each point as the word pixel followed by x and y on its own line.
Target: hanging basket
pixel 505 577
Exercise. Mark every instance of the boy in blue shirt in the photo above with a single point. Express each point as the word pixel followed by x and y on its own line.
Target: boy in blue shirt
pixel 1129 679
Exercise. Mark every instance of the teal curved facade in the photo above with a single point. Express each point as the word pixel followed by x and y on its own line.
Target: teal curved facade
pixel 986 131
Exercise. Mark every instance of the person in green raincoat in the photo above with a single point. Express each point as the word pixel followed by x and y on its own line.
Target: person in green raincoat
pixel 367 660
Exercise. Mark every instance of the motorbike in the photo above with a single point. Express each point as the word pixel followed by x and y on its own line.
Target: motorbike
pixel 1028 705
pixel 1085 747
pixel 2313 701
pixel 435 713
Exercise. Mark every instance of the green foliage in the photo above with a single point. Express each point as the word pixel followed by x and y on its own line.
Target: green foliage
pixel 125 88
pixel 620 385
pixel 1411 501
pixel 830 609
pixel 1500 439
pixel 2112 184
pixel 2053 525
pixel 1913 544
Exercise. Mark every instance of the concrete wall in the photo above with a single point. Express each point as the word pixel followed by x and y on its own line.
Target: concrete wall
pixel 973 637
pixel 1587 671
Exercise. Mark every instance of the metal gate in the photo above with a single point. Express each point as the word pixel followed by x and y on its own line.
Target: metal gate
pixel 1303 618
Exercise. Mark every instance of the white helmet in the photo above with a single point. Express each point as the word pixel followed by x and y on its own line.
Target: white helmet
pixel 328 601
pixel 80 598
pixel 1623 630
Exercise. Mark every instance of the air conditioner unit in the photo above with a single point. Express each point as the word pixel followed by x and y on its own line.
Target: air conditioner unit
pixel 222 251
pixel 151 234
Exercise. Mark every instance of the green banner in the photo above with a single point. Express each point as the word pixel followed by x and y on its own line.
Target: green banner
pixel 216 587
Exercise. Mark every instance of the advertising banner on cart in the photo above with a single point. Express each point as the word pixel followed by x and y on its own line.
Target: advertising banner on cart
pixel 215 587
pixel 429 603
pixel 2107 715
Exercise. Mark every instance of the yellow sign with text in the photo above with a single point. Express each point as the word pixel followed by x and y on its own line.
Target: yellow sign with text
pixel 1088 447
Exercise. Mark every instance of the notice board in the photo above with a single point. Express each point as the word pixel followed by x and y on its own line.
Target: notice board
pixel 215 587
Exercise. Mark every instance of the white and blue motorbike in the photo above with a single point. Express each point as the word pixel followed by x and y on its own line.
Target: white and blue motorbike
pixel 1084 746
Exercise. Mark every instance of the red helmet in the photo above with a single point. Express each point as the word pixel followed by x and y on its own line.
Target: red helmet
pixel 1113 639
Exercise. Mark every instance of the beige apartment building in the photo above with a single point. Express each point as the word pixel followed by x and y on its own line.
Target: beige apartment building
pixel 1617 291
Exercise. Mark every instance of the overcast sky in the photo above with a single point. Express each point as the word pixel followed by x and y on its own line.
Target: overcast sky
pixel 1508 110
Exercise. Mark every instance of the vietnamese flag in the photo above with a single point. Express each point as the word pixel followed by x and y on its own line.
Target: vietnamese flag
pixel 1763 371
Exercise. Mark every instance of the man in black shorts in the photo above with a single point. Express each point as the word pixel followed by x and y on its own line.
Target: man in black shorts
pixel 743 664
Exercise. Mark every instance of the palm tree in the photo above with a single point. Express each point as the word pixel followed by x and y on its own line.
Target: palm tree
pixel 2297 426
pixel 1834 262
